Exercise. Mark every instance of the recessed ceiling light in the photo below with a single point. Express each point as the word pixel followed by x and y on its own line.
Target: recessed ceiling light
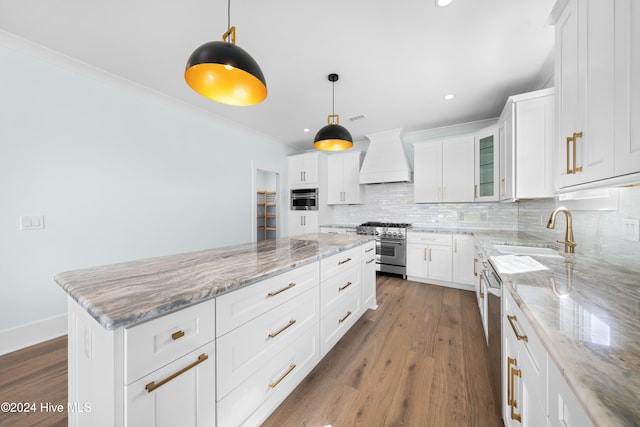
pixel 443 3
pixel 306 130
pixel 448 97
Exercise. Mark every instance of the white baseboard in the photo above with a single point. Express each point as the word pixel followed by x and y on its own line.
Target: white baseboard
pixel 32 333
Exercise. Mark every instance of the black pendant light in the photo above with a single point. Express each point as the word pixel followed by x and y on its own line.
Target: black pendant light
pixel 226 73
pixel 333 137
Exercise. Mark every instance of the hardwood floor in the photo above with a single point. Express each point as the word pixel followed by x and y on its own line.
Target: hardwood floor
pixel 37 376
pixel 419 360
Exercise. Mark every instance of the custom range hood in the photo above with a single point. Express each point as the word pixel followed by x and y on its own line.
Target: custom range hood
pixel 385 160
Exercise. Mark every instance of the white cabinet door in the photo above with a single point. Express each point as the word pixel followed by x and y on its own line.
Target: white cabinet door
pixel 417 261
pixel 181 393
pixel 564 408
pixel 487 160
pixel 439 262
pixel 335 179
pixel 585 61
pixel 506 141
pixel 463 256
pixel 427 172
pixel 302 222
pixel 458 169
pixel 303 170
pixel 627 87
pixel 369 276
pixel 344 178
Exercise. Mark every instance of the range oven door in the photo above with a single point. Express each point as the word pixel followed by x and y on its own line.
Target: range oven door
pixel 391 252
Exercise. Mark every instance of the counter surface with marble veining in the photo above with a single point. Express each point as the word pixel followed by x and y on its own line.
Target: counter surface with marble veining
pixel 124 294
pixel 586 313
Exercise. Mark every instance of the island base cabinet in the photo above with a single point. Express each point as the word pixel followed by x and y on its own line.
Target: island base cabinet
pixel 187 398
pixel 340 318
pixel 255 399
pixel 564 408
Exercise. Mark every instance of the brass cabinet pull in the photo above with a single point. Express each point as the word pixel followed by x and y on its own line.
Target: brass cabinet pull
pixel 475 191
pixel 342 288
pixel 371 260
pixel 425 254
pixel 344 261
pixel 369 250
pixel 281 330
pixel 475 261
pixel 481 291
pixel 345 317
pixel 177 335
pixel 511 400
pixel 455 246
pixel 569 170
pixel 575 149
pixel 153 385
pixel 292 366
pixel 512 319
pixel 503 187
pixel 273 293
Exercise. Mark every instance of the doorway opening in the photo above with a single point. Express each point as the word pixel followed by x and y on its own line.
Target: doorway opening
pixel 266 203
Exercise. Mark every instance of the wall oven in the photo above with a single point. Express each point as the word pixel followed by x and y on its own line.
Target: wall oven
pixel 305 199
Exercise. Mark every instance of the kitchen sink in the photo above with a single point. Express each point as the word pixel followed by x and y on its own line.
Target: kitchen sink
pixel 527 250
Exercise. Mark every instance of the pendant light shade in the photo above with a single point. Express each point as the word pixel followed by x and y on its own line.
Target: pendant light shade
pixel 333 137
pixel 226 73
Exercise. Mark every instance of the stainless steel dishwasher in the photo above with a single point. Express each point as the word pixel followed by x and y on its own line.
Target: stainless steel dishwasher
pixel 494 326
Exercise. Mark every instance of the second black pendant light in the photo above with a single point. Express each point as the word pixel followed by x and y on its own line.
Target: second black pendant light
pixel 333 137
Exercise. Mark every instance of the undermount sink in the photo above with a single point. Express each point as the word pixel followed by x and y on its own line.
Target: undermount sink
pixel 527 250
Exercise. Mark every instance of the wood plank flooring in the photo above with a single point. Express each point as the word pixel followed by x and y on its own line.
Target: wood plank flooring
pixel 419 360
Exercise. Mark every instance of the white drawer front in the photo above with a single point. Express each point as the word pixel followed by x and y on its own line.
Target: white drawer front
pixel 339 262
pixel 244 350
pixel 430 238
pixel 152 345
pixel 185 399
pixel 338 286
pixel 271 384
pixel 240 306
pixel 369 250
pixel 336 322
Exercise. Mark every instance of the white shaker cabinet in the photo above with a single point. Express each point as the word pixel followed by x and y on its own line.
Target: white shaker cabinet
pixel 302 222
pixel 463 255
pixel 305 169
pixel 444 170
pixel 369 276
pixel 598 91
pixel 429 256
pixel 526 146
pixel 344 178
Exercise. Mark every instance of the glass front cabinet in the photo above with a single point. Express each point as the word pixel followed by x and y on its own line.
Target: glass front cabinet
pixel 487 165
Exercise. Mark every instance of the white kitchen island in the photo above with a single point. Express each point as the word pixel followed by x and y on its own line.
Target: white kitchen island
pixel 214 337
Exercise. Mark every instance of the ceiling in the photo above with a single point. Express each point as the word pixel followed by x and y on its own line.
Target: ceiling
pixel 396 59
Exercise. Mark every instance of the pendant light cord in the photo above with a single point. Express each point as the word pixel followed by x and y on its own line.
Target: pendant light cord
pixel 228 14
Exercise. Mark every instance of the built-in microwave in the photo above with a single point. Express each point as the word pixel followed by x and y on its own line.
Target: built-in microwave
pixel 305 199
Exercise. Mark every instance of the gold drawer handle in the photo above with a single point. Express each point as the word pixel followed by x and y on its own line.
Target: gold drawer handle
pixel 152 385
pixel 177 335
pixel 345 317
pixel 344 262
pixel 371 260
pixel 514 404
pixel 276 382
pixel 480 287
pixel 342 288
pixel 475 271
pixel 512 319
pixel 274 293
pixel 278 332
pixel 575 154
pixel 569 170
pixel 369 250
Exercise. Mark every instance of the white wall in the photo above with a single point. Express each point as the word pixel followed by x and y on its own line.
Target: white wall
pixel 119 173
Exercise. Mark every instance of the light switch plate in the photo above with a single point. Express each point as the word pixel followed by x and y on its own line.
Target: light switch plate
pixel 31 222
pixel 631 229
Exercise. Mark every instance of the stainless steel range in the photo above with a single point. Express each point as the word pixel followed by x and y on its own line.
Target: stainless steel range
pixel 391 245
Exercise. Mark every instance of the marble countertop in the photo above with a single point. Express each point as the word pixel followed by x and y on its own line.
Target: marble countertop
pixel 586 313
pixel 124 294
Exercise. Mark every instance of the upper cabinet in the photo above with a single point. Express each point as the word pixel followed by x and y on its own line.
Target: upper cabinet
pixel 487 155
pixel 526 128
pixel 597 62
pixel 344 178
pixel 444 170
pixel 305 169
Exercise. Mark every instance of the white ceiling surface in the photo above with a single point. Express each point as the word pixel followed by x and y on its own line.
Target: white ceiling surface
pixel 396 59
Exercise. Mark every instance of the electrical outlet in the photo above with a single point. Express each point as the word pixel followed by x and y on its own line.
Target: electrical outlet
pixel 460 216
pixel 630 229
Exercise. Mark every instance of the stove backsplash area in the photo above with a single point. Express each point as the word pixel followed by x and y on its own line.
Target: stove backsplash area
pixel 394 203
pixel 596 232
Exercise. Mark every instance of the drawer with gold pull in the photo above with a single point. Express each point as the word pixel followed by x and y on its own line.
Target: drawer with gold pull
pixel 153 344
